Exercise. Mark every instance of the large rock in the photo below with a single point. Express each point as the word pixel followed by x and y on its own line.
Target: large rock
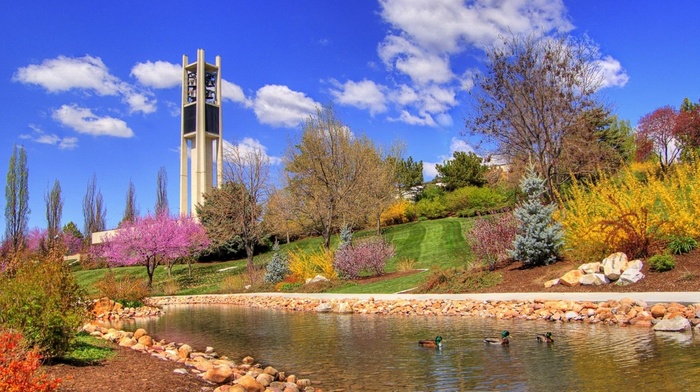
pixel 127 342
pixel 631 275
pixel 636 264
pixel 250 384
pixel 317 278
pixel 614 264
pixel 676 324
pixel 264 379
pixel 139 332
pixel 344 307
pixel 145 340
pixel 324 307
pixel 184 351
pixel 594 279
pixel 591 268
pixel 102 306
pixel 571 278
pixel 218 374
pixel 551 283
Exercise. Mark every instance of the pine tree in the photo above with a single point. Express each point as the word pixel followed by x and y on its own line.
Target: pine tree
pixel 539 238
pixel 278 267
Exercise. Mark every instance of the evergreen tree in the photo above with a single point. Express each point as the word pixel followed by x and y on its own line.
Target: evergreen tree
pixel 278 267
pixel 17 199
pixel 539 238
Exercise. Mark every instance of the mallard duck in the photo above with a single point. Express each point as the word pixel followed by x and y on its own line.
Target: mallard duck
pixel 437 343
pixel 544 337
pixel 503 339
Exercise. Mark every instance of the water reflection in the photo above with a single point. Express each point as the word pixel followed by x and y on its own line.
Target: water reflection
pixel 380 353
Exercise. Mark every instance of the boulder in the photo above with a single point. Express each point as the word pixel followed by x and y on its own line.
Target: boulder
pixel 629 276
pixel 658 311
pixel 591 268
pixel 248 360
pixel 250 384
pixel 264 379
pixel 184 351
pixel 218 374
pixel 323 307
pixel 551 283
pixel 594 279
pixel 180 371
pixel 145 340
pixel 317 278
pixel 636 264
pixel 271 371
pixel 139 332
pixel 344 307
pixel 127 342
pixel 102 306
pixel 614 264
pixel 676 324
pixel 571 278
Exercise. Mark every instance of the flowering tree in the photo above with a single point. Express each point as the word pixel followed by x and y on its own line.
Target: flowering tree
pixel 153 240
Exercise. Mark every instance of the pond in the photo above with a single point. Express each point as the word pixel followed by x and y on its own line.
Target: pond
pixel 352 352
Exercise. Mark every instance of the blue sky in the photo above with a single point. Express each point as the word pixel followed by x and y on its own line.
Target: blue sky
pixel 93 87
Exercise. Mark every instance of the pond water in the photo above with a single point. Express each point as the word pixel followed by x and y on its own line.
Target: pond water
pixel 380 353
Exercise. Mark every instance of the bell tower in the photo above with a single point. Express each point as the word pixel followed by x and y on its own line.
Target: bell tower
pixel 201 131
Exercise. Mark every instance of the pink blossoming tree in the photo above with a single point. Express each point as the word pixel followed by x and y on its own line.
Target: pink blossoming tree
pixel 153 240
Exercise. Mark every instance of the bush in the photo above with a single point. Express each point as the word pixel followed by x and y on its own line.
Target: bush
pixel 44 303
pixel 19 368
pixel 278 267
pixel 400 212
pixel 491 237
pixel 459 280
pixel 431 208
pixel 123 288
pixel 307 265
pixel 538 237
pixel 682 244
pixel 369 255
pixel 471 201
pixel 661 263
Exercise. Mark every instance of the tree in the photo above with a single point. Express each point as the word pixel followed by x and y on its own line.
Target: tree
pixel 130 209
pixel 162 192
pixel 236 208
pixel 532 97
pixel 17 199
pixel 54 211
pixel 94 212
pixel 72 238
pixel 154 240
pixel 659 128
pixel 328 174
pixel 408 173
pixel 687 130
pixel 538 237
pixel 464 169
pixel 280 220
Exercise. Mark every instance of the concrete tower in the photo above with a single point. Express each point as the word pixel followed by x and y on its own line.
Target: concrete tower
pixel 201 131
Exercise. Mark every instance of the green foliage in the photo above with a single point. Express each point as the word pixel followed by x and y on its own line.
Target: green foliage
pixel 125 288
pixel 278 267
pixel 464 169
pixel 661 263
pixel 682 244
pixel 539 238
pixel 470 201
pixel 408 173
pixel 44 303
pixel 431 208
pixel 86 350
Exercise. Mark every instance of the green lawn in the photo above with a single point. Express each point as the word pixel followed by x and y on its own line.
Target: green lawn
pixel 430 244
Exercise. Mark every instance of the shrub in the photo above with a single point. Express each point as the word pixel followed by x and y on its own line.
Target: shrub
pixel 682 244
pixel 19 368
pixel 538 237
pixel 631 211
pixel 307 265
pixel 405 264
pixel 491 237
pixel 398 213
pixel 431 208
pixel 662 263
pixel 459 280
pixel 278 267
pixel 44 303
pixel 122 288
pixel 471 200
pixel 369 255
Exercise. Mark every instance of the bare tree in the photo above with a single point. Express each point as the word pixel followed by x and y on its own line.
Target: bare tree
pixel 328 174
pixel 130 210
pixel 532 97
pixel 54 212
pixel 17 199
pixel 281 220
pixel 162 192
pixel 237 207
pixel 94 212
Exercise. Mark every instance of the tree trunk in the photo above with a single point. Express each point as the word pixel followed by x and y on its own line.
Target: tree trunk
pixel 249 251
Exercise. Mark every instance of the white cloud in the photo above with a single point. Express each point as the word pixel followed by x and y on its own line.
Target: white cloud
pixel 84 121
pixel 408 118
pixel 429 170
pixel 39 136
pixel 612 73
pixel 364 95
pixel 281 107
pixel 457 144
pixel 233 92
pixel 160 74
pixel 249 146
pixel 83 73
pixel 419 64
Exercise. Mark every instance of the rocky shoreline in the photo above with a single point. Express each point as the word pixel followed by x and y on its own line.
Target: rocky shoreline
pixel 248 376
pixel 624 312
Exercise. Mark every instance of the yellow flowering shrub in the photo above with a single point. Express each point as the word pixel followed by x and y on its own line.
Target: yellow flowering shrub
pixel 632 212
pixel 399 212
pixel 305 265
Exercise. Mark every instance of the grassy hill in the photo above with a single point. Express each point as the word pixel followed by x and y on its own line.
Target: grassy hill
pixel 424 244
